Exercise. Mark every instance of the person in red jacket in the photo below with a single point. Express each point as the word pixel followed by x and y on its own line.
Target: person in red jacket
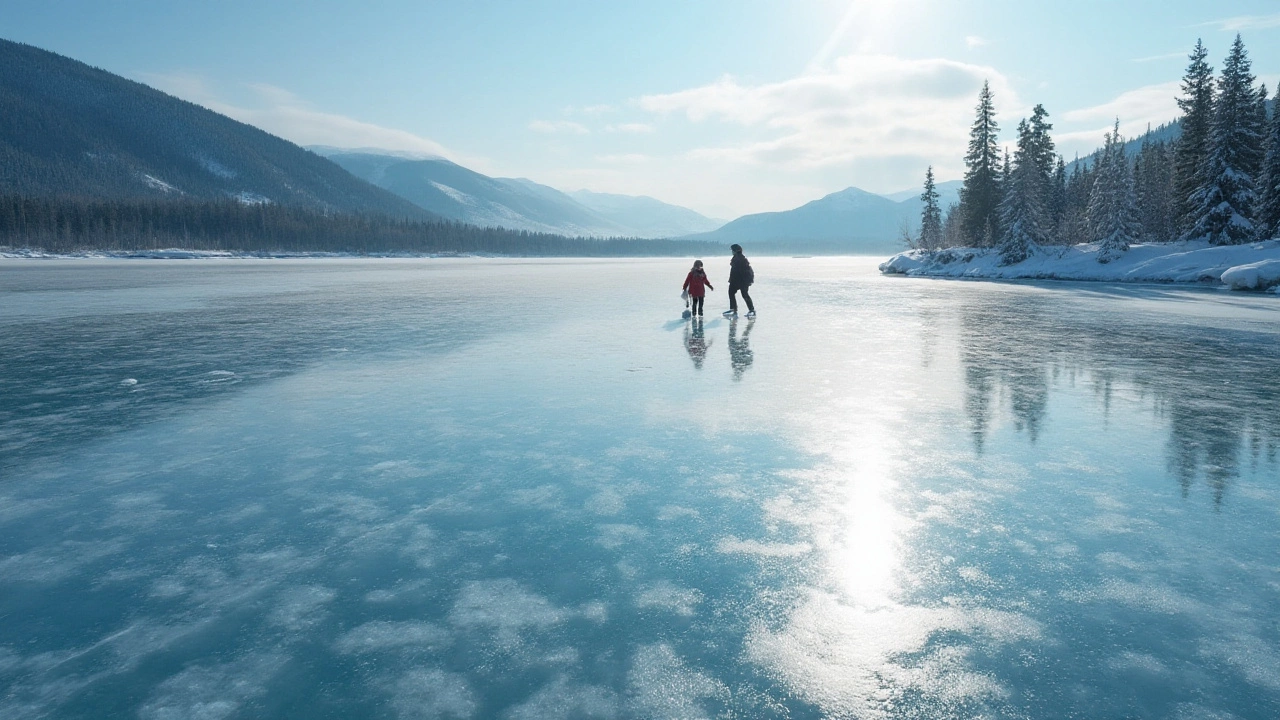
pixel 697 284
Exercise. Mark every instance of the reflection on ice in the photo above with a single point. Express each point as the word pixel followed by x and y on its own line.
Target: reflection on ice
pixel 906 499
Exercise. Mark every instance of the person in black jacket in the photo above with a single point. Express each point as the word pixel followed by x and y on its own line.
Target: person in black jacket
pixel 740 278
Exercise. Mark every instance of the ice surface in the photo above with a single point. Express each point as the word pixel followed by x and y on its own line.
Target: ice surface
pixel 346 488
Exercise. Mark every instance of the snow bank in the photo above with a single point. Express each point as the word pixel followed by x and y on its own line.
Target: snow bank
pixel 1255 266
pixel 1261 275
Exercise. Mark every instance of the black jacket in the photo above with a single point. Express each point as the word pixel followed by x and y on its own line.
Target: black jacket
pixel 740 272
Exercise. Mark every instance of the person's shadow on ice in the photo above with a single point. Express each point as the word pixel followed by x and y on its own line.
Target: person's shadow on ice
pixel 740 355
pixel 696 342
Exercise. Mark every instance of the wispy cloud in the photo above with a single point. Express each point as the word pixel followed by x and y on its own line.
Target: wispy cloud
pixel 623 159
pixel 1138 109
pixel 596 110
pixel 280 112
pixel 552 127
pixel 635 128
pixel 1246 22
pixel 864 106
pixel 1157 58
pixel 974 41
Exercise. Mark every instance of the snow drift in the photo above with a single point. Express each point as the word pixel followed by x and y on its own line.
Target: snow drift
pixel 1255 266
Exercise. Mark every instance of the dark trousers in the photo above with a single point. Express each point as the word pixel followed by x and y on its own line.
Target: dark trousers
pixel 733 301
pixel 695 304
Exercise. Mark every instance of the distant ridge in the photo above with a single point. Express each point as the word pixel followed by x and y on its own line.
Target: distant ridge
pixel 453 191
pixel 71 130
pixel 851 221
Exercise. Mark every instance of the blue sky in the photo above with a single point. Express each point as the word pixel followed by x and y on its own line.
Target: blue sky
pixel 725 106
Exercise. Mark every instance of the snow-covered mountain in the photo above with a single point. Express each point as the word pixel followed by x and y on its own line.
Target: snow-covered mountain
pixel 850 221
pixel 457 193
pixel 71 130
pixel 648 216
pixel 948 193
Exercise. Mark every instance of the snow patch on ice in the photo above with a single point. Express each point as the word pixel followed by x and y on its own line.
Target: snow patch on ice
pixel 661 685
pixel 733 546
pixel 615 535
pixel 505 608
pixel 665 595
pixel 301 607
pixel 212 692
pixel 383 635
pixel 432 694
pixel 563 699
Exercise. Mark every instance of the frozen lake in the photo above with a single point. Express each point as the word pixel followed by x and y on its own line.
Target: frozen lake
pixel 527 489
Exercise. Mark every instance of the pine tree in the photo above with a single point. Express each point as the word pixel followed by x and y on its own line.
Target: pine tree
pixel 1111 203
pixel 1041 148
pixel 1073 225
pixel 1227 197
pixel 1269 210
pixel 930 214
pixel 1152 176
pixel 1057 204
pixel 1022 213
pixel 980 194
pixel 1192 149
pixel 952 226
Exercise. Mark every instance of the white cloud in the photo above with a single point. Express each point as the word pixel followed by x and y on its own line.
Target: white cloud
pixel 865 106
pixel 623 158
pixel 974 41
pixel 1247 22
pixel 283 113
pixel 597 110
pixel 1137 109
pixel 1155 58
pixel 551 127
pixel 630 128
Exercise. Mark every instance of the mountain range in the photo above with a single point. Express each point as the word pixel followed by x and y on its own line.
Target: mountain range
pixel 71 130
pixel 455 192
pixel 850 221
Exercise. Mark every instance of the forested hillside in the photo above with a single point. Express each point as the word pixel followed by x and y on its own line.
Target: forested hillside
pixel 67 225
pixel 1213 175
pixel 70 130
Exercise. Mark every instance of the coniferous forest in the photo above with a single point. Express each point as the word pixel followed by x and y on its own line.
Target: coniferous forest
pixel 1218 180
pixel 71 225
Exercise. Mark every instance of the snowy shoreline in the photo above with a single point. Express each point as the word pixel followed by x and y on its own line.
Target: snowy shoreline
pixel 1254 266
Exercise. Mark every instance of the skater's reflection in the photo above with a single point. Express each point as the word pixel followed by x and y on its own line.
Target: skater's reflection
pixel 740 355
pixel 696 342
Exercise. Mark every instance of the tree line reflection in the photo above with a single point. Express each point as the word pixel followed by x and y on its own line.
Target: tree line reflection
pixel 1218 390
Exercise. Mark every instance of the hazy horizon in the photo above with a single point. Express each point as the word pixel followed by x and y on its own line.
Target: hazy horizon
pixel 727 109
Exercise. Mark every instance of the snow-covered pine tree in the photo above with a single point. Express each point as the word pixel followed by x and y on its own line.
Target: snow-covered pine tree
pixel 1006 169
pixel 930 214
pixel 980 194
pixel 1022 213
pixel 1227 197
pixel 1152 177
pixel 1041 148
pixel 1111 203
pixel 1057 204
pixel 1190 154
pixel 1073 226
pixel 953 227
pixel 1269 210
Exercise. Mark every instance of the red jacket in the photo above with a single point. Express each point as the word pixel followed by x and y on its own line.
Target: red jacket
pixel 696 284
